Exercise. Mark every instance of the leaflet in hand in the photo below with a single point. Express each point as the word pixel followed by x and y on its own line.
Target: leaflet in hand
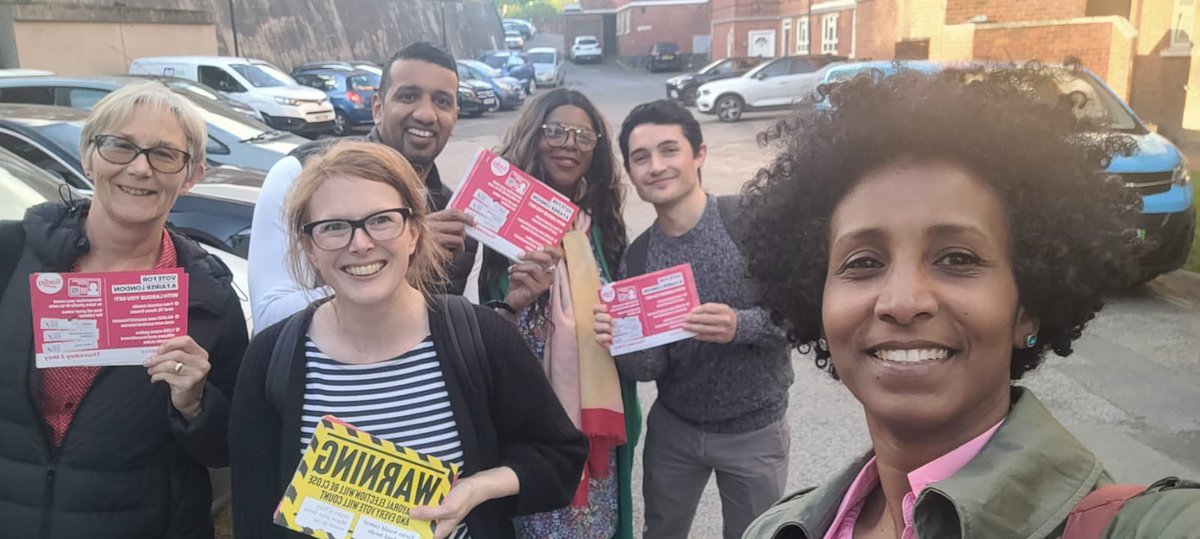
pixel 513 211
pixel 650 310
pixel 350 484
pixel 105 319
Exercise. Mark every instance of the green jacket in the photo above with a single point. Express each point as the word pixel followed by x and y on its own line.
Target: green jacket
pixel 1024 483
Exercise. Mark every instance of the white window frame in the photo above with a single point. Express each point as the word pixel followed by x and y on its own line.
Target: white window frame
pixel 785 34
pixel 829 34
pixel 803 39
pixel 1183 15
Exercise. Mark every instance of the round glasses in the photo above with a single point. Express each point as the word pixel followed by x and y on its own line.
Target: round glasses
pixel 119 150
pixel 557 134
pixel 334 234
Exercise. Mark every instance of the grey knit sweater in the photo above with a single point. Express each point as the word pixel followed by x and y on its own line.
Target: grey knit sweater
pixel 720 388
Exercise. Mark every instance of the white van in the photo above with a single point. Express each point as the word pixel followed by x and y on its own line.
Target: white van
pixel 282 102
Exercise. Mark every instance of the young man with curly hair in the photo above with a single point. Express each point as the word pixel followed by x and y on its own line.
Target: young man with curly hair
pixel 955 228
pixel 722 396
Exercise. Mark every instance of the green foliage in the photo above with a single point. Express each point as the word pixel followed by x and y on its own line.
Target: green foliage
pixel 1193 262
pixel 534 10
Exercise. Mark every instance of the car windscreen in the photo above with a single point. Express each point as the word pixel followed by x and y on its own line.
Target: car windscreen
pixel 587 41
pixel 1098 106
pixel 541 57
pixel 711 66
pixel 495 60
pixel 64 136
pixel 23 185
pixel 226 119
pixel 666 48
pixel 259 77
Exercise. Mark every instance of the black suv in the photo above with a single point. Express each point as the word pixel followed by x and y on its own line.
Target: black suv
pixel 664 57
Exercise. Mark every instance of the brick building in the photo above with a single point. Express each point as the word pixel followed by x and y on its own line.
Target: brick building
pixel 642 23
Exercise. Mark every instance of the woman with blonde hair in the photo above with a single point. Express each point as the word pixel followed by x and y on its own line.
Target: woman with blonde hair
pixel 118 451
pixel 561 138
pixel 380 355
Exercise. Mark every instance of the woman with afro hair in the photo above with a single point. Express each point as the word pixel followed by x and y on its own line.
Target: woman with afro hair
pixel 956 227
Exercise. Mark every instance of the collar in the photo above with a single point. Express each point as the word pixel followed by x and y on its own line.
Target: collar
pixel 55 232
pixel 1022 483
pixel 433 181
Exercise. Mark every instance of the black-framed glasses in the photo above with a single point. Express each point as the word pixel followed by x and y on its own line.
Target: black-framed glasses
pixel 334 234
pixel 557 134
pixel 119 150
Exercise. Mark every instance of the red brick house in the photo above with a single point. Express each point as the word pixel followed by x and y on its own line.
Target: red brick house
pixel 642 23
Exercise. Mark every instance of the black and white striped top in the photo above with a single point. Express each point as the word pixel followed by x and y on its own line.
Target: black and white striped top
pixel 403 400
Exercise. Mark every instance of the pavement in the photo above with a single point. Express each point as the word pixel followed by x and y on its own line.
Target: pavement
pixel 1131 391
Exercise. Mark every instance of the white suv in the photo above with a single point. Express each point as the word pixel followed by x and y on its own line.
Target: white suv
pixel 586 49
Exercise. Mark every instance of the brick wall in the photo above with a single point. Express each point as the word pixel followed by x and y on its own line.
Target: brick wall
pixel 677 24
pixel 1158 91
pixel 877 29
pixel 740 31
pixel 959 11
pixel 1090 42
pixel 845 32
pixel 581 24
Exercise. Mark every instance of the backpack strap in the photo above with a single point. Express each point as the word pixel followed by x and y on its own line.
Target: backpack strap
pixel 279 369
pixel 635 256
pixel 729 206
pixel 466 345
pixel 1093 514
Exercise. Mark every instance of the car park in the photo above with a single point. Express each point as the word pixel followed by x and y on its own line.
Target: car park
pixel 772 85
pixel 475 98
pixel 509 91
pixel 547 67
pixel 49 137
pixel 663 57
pixel 23 185
pixel 282 103
pixel 1157 171
pixel 586 49
pixel 685 87
pixel 351 93
pixel 233 138
pixel 512 64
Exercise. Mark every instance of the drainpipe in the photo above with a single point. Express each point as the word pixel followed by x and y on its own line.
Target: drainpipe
pixel 233 25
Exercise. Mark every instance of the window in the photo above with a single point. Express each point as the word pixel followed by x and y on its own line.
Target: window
pixel 40 158
pixel 361 83
pixel 803 65
pixel 802 39
pixel 38 95
pixel 84 98
pixel 829 37
pixel 1181 24
pixel 777 68
pixel 215 77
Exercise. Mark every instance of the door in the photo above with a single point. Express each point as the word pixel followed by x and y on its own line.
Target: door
pixel 764 89
pixel 793 82
pixel 761 43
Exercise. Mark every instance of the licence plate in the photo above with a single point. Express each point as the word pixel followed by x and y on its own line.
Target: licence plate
pixel 320 117
pixel 489 101
pixel 668 57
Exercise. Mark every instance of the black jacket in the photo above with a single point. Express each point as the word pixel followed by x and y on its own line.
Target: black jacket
pixel 438 197
pixel 526 430
pixel 129 465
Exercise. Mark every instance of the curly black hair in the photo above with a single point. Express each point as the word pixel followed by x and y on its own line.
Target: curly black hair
pixel 1012 127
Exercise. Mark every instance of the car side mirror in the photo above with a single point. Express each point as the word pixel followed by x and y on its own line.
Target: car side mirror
pixel 760 76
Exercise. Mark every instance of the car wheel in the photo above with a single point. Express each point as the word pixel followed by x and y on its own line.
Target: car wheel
pixel 729 108
pixel 341 124
pixel 689 97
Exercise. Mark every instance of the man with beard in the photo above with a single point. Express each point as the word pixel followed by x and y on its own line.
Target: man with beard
pixel 415 110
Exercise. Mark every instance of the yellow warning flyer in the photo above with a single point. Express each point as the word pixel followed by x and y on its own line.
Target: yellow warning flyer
pixel 350 484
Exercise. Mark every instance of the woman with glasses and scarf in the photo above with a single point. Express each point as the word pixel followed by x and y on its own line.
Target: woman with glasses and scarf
pixel 118 451
pixel 377 355
pixel 561 139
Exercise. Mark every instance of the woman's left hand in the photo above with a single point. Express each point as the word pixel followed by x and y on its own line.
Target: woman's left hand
pixel 183 365
pixel 463 497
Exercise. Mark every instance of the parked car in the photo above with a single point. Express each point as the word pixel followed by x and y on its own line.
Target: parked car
pixel 276 96
pixel 509 91
pixel 512 64
pixel 233 138
pixel 351 93
pixel 1157 171
pixel 586 49
pixel 48 137
pixel 361 65
pixel 664 57
pixel 23 185
pixel 526 28
pixel 513 40
pixel 685 87
pixel 475 97
pixel 547 67
pixel 770 86
pixel 199 90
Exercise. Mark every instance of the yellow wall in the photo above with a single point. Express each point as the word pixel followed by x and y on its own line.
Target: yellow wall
pixel 83 49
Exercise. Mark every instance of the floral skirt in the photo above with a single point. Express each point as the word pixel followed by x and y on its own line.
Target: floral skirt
pixel 597 519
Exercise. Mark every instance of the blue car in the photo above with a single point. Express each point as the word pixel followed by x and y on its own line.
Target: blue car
pixel 512 64
pixel 350 92
pixel 1157 171
pixel 510 91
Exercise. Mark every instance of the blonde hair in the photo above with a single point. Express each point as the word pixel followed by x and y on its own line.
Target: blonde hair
pixel 116 109
pixel 372 162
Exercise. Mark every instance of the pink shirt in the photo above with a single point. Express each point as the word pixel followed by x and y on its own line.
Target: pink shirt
pixel 868 479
